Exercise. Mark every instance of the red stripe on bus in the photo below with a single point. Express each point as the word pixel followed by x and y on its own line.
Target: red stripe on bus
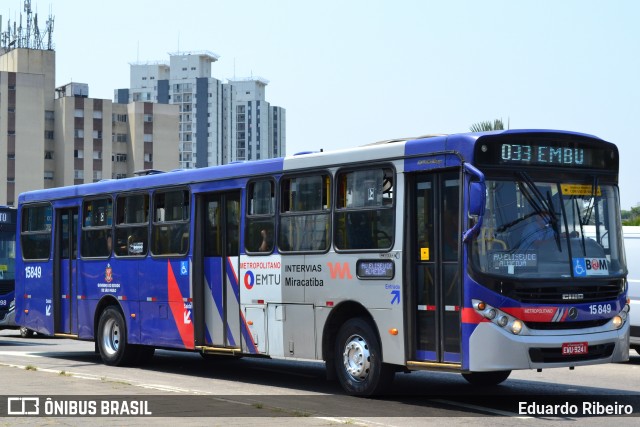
pixel 470 315
pixel 178 310
pixel 532 314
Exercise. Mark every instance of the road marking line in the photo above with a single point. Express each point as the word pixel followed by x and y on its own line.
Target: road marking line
pixel 18 353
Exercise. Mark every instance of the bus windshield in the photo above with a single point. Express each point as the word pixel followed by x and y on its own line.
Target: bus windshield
pixel 551 230
pixel 7 255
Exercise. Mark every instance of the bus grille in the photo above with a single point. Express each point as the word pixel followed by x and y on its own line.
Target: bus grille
pixel 548 326
pixel 569 294
pixel 554 355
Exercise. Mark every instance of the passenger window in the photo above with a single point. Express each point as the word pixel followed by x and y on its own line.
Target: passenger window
pixel 35 234
pixel 97 239
pixel 304 216
pixel 365 215
pixel 170 230
pixel 259 235
pixel 132 225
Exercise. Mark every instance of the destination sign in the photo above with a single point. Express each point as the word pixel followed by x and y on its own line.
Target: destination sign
pixel 545 152
pixel 375 269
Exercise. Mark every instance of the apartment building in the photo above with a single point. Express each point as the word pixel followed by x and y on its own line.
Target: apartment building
pixel 110 141
pixel 52 136
pixel 218 122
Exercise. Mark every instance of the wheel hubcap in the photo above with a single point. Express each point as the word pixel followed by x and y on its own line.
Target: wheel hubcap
pixel 111 337
pixel 356 358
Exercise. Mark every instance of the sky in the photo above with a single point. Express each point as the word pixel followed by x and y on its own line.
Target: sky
pixel 354 72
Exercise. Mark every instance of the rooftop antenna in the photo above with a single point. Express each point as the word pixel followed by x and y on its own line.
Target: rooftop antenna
pixel 30 36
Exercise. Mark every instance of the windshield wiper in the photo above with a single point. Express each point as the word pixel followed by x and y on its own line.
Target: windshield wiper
pixel 542 206
pixel 505 227
pixel 592 202
pixel 584 246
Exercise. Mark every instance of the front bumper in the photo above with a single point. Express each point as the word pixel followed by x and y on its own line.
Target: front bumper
pixel 494 348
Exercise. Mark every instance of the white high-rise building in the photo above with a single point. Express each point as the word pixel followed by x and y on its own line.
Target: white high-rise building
pixel 218 122
pixel 253 129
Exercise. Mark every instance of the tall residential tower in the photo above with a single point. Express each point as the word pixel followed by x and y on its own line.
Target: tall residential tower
pixel 218 122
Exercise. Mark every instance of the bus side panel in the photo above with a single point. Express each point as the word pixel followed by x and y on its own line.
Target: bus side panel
pixel 102 278
pixel 165 304
pixel 37 279
pixel 86 310
pixel 333 278
pixel 260 280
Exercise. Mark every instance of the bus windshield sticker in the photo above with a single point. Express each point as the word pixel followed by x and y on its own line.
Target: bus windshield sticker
pixel 424 254
pixel 590 267
pixel 579 190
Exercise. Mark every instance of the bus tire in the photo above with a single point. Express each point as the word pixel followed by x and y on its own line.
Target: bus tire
pixel 112 339
pixel 486 378
pixel 358 360
pixel 26 332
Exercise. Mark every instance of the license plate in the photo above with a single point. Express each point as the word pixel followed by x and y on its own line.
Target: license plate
pixel 574 348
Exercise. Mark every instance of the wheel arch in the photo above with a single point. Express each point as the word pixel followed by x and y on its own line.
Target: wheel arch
pixel 339 315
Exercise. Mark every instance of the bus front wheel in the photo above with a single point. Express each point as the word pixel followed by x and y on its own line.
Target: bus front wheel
pixel 112 339
pixel 358 360
pixel 486 378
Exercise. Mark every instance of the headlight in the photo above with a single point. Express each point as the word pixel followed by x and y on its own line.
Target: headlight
pixel 516 326
pixel 503 320
pixel 617 321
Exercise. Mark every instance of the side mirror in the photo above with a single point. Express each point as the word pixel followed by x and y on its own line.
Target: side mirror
pixel 476 200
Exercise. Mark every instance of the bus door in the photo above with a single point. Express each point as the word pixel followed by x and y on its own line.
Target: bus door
pixel 435 266
pixel 216 301
pixel 65 306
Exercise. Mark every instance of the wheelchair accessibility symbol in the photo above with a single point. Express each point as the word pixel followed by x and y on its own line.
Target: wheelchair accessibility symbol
pixel 579 267
pixel 184 268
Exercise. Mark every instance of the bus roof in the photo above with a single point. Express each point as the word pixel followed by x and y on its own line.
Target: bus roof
pixel 462 144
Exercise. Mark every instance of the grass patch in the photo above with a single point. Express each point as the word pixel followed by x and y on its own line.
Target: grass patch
pixel 30 368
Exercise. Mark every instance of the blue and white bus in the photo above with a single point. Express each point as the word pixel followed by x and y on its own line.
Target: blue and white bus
pixel 7 267
pixel 463 253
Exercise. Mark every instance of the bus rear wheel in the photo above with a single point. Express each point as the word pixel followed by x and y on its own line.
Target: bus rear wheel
pixel 486 378
pixel 358 360
pixel 26 332
pixel 112 339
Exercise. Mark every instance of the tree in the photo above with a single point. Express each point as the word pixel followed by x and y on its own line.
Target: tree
pixel 631 217
pixel 487 126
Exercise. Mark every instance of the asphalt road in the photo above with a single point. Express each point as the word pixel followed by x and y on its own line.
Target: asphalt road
pixel 181 386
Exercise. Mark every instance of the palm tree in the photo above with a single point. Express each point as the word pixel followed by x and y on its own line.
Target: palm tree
pixel 487 126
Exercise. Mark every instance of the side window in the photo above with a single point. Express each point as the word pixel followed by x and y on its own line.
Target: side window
pixel 260 216
pixel 35 233
pixel 170 230
pixel 305 213
pixel 132 225
pixel 97 238
pixel 364 215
